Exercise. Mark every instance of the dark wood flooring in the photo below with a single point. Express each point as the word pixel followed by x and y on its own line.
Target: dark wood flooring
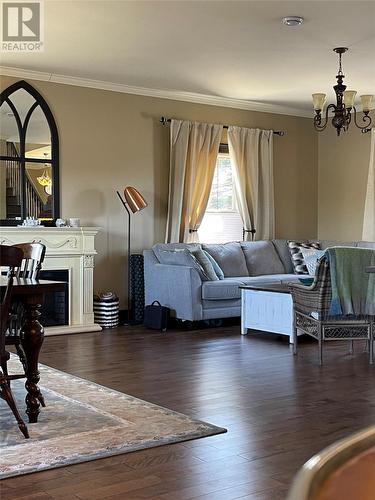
pixel 278 409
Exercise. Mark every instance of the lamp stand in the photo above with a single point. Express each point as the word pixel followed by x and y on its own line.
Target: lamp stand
pixel 129 227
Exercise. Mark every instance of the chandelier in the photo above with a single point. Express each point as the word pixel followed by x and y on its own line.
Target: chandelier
pixel 44 179
pixel 344 107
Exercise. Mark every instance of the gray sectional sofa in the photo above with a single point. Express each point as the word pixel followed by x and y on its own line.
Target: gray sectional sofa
pixel 182 289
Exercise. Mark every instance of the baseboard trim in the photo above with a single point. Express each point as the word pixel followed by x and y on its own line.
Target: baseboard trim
pixel 67 329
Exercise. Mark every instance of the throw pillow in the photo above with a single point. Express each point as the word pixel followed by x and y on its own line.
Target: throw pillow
pixel 311 257
pixel 297 257
pixel 215 265
pixel 182 257
pixel 262 258
pixel 205 262
pixel 230 258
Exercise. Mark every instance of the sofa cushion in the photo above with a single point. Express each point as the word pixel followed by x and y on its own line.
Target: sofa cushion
pixel 261 258
pixel 230 258
pixel 225 289
pixel 297 257
pixel 282 250
pixel 331 243
pixel 229 288
pixel 366 244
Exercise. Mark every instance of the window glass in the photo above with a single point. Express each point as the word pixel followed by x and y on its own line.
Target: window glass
pixel 221 222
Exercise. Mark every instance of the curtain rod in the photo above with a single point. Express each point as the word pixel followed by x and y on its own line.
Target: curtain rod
pixel 164 121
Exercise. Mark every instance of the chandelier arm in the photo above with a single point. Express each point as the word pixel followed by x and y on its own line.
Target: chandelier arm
pixel 348 117
pixel 318 119
pixel 367 120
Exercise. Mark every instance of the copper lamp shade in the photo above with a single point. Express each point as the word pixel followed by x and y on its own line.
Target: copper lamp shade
pixel 134 199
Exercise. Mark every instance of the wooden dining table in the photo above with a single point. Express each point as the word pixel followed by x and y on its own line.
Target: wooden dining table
pixel 31 293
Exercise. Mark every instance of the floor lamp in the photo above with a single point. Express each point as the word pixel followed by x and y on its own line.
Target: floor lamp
pixel 135 202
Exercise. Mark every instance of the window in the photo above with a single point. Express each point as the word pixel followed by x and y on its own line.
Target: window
pixel 221 222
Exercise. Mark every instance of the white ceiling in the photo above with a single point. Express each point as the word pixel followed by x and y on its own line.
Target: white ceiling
pixel 232 49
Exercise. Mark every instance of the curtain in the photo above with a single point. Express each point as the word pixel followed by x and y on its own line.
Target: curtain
pixel 251 152
pixel 193 152
pixel 368 233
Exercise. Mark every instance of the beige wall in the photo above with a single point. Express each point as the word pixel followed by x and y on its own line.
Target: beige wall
pixel 109 140
pixel 343 169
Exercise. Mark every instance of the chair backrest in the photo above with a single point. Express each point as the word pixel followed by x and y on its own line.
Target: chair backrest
pixel 11 258
pixel 33 257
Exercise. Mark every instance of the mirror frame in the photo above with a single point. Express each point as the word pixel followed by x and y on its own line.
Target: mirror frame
pixel 22 129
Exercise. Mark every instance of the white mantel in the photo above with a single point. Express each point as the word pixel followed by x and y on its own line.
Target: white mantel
pixel 72 249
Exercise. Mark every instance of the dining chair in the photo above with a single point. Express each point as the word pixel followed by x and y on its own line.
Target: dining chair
pixel 11 258
pixel 32 259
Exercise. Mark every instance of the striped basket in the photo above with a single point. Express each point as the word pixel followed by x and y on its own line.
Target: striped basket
pixel 106 310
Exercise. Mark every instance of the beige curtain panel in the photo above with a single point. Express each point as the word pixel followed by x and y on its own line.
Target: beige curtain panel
pixel 368 233
pixel 193 152
pixel 251 152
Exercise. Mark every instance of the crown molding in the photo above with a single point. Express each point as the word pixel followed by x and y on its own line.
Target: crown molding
pixel 175 95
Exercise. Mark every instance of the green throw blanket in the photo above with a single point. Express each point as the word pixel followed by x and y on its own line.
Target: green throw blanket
pixel 353 290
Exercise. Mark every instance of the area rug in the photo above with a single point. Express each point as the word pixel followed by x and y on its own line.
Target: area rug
pixel 84 421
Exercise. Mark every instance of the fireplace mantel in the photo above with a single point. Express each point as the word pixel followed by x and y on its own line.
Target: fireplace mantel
pixel 70 248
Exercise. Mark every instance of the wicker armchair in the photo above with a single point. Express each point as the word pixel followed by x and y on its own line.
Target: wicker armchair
pixel 311 314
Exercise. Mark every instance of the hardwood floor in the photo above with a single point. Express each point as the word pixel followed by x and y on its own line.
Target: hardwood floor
pixel 278 409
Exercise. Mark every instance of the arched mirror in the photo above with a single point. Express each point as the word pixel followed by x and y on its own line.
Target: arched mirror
pixel 29 161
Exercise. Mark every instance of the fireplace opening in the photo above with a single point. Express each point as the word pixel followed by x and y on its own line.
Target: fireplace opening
pixel 55 310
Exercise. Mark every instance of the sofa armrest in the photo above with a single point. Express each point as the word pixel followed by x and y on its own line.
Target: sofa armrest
pixel 176 287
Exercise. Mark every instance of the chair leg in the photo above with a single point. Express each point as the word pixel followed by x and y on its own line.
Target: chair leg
pixel 4 369
pixel 7 395
pixel 295 335
pixel 371 344
pixel 320 342
pixel 351 346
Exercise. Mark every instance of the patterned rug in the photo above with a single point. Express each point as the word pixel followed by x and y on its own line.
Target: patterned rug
pixel 84 421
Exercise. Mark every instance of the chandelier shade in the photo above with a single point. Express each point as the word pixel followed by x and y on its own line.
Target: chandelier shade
pixel 366 101
pixel 319 101
pixel 349 98
pixel 344 108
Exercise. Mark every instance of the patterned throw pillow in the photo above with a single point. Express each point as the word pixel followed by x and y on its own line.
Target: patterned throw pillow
pixel 311 257
pixel 295 248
